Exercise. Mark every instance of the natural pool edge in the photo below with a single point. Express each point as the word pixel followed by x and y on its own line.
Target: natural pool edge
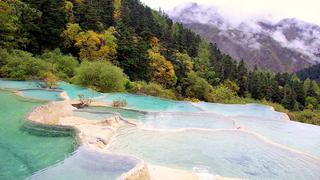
pixel 67 124
pixel 141 171
pixel 62 94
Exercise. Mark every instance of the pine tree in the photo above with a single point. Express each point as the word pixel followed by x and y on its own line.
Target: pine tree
pixel 52 23
pixel 132 54
pixel 243 79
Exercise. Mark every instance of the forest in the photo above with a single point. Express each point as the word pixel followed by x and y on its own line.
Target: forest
pixel 312 72
pixel 125 46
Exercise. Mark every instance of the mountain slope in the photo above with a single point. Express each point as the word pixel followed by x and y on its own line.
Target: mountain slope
pixel 288 45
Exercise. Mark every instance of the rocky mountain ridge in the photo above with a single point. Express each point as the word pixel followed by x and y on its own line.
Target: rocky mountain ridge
pixel 287 45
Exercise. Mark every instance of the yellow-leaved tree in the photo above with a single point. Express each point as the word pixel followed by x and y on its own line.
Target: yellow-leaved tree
pixel 97 46
pixel 162 70
pixel 68 8
pixel 70 33
pixel 117 10
pixel 50 80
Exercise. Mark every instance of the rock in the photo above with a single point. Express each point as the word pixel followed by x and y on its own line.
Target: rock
pixel 51 113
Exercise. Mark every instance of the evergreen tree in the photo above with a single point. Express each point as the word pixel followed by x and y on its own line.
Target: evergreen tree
pixel 277 93
pixel 133 54
pixel 243 78
pixel 255 85
pixel 18 24
pixel 289 99
pixel 297 87
pixel 202 64
pixel 51 24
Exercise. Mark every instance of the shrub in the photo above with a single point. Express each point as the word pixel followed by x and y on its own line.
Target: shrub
pixel 84 101
pixel 198 88
pixel 152 89
pixel 63 65
pixel 50 80
pixel 231 85
pixel 277 107
pixel 222 93
pixel 306 116
pixel 195 100
pixel 119 103
pixel 21 65
pixel 100 75
pixel 3 56
pixel 311 103
pixel 239 100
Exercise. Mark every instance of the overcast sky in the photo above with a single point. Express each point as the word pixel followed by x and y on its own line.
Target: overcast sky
pixel 307 10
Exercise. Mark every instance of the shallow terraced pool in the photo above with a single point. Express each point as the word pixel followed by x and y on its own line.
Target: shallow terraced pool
pixel 244 141
pixel 230 153
pixel 23 152
pixel 86 164
pixel 149 103
pixel 93 115
pixel 41 94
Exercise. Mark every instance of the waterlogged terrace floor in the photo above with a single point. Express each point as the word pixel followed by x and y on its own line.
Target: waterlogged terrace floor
pixel 231 153
pixel 23 153
pixel 244 141
pixel 87 164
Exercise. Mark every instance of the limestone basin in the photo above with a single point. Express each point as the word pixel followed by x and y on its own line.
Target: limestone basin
pixel 42 94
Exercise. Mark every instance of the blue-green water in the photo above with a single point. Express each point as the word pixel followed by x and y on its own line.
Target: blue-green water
pixel 74 91
pixel 86 164
pixel 125 113
pixel 181 135
pixel 18 84
pixel 260 112
pixel 22 152
pixel 173 120
pixel 227 153
pixel 187 120
pixel 149 103
pixel 27 149
pixel 41 94
pixel 93 115
pixel 303 137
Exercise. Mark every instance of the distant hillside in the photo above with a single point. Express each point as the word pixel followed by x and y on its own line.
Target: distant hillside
pixel 285 46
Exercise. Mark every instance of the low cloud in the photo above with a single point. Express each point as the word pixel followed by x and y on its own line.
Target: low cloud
pixel 307 10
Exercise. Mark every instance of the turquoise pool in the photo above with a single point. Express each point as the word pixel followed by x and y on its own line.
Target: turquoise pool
pixel 244 141
pixel 22 152
pixel 4 84
pixel 42 94
pixel 86 164
pixel 187 120
pixel 129 114
pixel 173 120
pixel 303 137
pixel 256 111
pixel 93 115
pixel 149 103
pixel 73 91
pixel 227 153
